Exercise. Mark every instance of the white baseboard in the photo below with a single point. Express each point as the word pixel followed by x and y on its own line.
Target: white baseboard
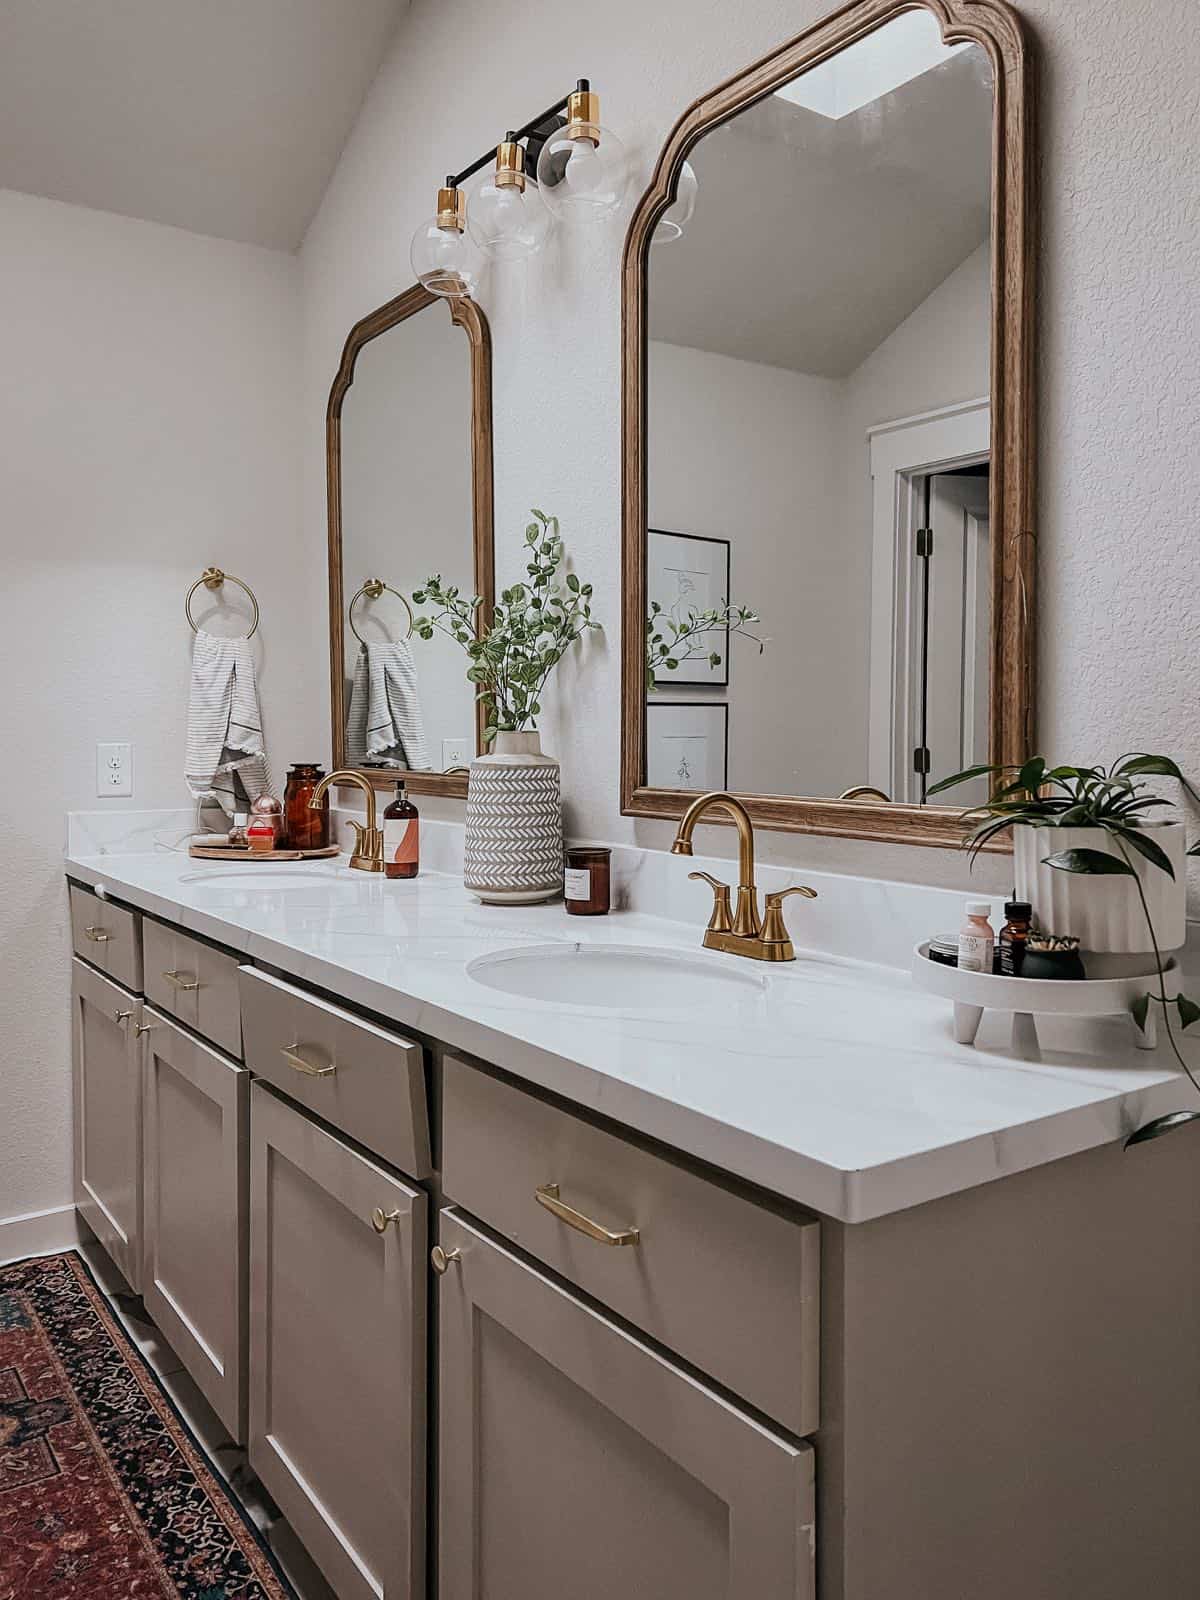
pixel 39 1233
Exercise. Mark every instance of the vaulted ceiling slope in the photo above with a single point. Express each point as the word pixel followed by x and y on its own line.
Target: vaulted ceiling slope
pixel 223 116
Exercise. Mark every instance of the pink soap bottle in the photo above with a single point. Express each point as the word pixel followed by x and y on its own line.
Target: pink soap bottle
pixel 976 939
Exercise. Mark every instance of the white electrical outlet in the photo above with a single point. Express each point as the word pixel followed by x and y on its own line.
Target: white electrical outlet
pixel 114 770
pixel 454 753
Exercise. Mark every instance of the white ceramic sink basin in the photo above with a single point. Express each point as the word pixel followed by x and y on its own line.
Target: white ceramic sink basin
pixel 231 877
pixel 616 977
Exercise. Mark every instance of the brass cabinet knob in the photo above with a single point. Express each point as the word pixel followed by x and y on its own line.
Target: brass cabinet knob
pixel 380 1219
pixel 440 1260
pixel 122 1016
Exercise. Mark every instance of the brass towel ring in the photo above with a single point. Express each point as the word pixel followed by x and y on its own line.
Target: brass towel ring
pixel 372 590
pixel 213 578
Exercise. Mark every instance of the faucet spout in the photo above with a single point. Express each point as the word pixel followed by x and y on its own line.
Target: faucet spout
pixel 368 846
pixel 746 921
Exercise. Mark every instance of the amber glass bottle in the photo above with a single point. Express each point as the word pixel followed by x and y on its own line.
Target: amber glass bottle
pixel 305 829
pixel 401 837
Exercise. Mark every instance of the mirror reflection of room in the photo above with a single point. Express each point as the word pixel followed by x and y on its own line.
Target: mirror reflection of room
pixel 406 514
pixel 818 430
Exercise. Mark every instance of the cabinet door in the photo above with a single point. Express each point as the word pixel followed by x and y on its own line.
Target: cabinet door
pixel 575 1460
pixel 108 1115
pixel 195 1127
pixel 337 1351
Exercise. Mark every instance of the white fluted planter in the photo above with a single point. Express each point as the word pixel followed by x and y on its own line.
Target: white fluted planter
pixel 1104 913
pixel 514 837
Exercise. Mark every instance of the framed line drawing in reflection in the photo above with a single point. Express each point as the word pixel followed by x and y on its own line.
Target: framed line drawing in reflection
pixel 687 744
pixel 690 572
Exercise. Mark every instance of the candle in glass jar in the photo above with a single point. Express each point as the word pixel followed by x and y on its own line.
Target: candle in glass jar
pixel 586 881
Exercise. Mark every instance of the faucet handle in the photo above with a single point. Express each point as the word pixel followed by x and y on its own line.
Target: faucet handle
pixel 721 920
pixel 774 930
pixel 368 847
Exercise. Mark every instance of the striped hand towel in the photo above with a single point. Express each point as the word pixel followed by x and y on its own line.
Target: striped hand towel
pixel 226 759
pixel 385 727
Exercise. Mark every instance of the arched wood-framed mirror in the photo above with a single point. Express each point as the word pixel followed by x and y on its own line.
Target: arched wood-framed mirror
pixel 828 419
pixel 408 434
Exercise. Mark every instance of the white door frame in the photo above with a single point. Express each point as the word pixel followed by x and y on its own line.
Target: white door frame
pixel 928 442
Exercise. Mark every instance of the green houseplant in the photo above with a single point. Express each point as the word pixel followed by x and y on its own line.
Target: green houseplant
pixel 672 639
pixel 1116 804
pixel 514 838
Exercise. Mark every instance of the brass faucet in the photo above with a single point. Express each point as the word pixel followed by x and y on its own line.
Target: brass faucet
pixel 744 933
pixel 368 841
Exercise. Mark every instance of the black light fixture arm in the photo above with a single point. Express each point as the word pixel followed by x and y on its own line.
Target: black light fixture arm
pixel 535 132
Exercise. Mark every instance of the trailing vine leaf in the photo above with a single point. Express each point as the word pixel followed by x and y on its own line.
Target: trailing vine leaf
pixel 1146 846
pixel 1140 1010
pixel 1189 1011
pixel 1160 1125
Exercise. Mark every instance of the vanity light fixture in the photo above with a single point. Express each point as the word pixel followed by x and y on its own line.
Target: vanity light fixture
pixel 582 170
pixel 508 218
pixel 562 163
pixel 444 256
pixel 679 213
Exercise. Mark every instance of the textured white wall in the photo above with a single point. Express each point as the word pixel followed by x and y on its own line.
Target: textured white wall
pixel 1119 383
pixel 148 426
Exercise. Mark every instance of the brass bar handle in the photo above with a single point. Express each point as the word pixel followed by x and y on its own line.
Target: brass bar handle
pixel 721 920
pixel 291 1054
pixel 97 935
pixel 546 1194
pixel 122 1016
pixel 442 1260
pixel 178 981
pixel 380 1219
pixel 139 1028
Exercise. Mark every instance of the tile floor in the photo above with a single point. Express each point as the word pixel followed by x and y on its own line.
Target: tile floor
pixel 229 1458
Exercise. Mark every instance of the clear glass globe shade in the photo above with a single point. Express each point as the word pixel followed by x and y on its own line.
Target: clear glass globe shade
pixel 581 181
pixel 507 223
pixel 677 216
pixel 445 261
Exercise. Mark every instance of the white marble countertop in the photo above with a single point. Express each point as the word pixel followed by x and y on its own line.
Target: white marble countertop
pixel 833 1083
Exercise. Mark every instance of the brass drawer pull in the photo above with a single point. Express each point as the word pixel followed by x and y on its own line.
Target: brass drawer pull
pixel 380 1218
pixel 291 1054
pixel 97 935
pixel 442 1260
pixel 139 1028
pixel 546 1194
pixel 122 1016
pixel 178 981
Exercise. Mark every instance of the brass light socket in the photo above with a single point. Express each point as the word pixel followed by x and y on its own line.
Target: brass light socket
pixel 583 116
pixel 510 166
pixel 451 210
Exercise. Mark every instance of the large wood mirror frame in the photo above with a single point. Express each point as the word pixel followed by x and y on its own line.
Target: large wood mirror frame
pixel 465 314
pixel 998 30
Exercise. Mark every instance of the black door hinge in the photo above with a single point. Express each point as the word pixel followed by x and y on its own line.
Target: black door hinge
pixel 924 543
pixel 921 758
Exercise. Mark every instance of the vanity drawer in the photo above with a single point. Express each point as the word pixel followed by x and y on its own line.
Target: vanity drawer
pixel 363 1080
pixel 729 1284
pixel 108 936
pixel 193 983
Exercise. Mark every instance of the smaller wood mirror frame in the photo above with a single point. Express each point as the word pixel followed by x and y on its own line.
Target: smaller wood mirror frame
pixel 454 459
pixel 827 353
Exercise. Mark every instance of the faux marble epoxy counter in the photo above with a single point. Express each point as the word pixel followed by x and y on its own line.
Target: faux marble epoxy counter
pixel 831 1083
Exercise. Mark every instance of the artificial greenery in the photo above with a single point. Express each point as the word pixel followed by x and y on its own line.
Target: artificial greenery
pixel 1116 800
pixel 533 625
pixel 671 639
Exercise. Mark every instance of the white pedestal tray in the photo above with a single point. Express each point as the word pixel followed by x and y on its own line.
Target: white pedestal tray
pixel 973 993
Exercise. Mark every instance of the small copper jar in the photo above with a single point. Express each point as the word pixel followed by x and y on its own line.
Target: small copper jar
pixel 305 829
pixel 586 882
pixel 267 808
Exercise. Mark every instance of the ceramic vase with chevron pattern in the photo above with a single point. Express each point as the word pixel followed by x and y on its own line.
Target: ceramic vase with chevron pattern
pixel 514 844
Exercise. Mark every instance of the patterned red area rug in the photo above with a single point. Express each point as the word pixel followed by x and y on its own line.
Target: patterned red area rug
pixel 104 1494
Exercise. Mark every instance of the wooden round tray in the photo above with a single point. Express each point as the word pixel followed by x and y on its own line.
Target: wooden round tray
pixel 973 993
pixel 242 852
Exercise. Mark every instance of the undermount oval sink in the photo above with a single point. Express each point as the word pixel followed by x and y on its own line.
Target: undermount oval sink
pixel 616 977
pixel 239 877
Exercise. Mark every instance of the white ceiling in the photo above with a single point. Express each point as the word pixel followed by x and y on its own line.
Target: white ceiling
pixel 222 116
pixel 813 238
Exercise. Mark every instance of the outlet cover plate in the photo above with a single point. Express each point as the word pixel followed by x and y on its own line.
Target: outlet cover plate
pixel 114 770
